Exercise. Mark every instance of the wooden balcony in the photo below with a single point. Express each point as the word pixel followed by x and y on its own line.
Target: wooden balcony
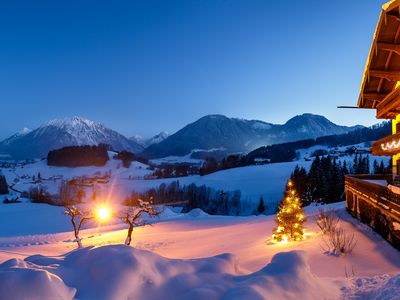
pixel 370 200
pixel 387 146
pixel 365 193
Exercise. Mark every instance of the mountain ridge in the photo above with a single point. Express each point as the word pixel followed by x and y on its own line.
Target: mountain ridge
pixel 146 142
pixel 58 133
pixel 209 132
pixel 241 135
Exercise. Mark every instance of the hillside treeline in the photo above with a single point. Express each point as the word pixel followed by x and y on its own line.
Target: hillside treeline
pixel 287 151
pixel 78 156
pixel 210 200
pixel 324 182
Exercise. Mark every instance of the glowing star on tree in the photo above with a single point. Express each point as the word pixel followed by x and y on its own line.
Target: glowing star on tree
pixel 290 217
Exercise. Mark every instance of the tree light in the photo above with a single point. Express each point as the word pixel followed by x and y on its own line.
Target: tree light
pixel 290 218
pixel 103 214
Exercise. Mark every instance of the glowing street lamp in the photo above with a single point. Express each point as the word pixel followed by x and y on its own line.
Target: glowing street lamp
pixel 103 214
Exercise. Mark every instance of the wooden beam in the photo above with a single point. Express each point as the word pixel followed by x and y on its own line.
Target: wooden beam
pixel 389 47
pixel 373 96
pixel 385 108
pixel 389 75
pixel 395 40
pixel 393 17
pixel 351 107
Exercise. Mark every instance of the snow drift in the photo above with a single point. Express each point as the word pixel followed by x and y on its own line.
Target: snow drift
pixel 24 280
pixel 123 272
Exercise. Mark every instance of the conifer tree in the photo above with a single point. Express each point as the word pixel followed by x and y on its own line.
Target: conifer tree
pixel 290 217
pixel 261 206
pixel 345 169
pixel 376 167
pixel 3 184
pixel 381 168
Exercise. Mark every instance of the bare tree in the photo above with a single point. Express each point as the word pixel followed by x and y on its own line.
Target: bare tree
pixel 78 217
pixel 338 242
pixel 133 216
pixel 327 221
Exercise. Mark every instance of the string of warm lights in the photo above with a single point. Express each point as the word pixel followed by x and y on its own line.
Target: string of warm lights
pixel 290 218
pixel 390 145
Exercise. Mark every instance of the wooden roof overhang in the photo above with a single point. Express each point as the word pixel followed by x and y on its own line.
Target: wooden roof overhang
pixel 382 69
pixel 387 146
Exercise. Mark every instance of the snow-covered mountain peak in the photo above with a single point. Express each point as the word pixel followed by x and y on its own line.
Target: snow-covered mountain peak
pixel 84 131
pixel 160 137
pixel 24 131
pixel 71 122
pixel 58 133
pixel 145 142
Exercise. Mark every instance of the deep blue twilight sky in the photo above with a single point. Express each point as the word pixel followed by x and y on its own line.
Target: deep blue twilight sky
pixel 140 67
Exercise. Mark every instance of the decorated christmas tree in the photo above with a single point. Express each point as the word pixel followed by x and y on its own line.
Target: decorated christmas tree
pixel 290 217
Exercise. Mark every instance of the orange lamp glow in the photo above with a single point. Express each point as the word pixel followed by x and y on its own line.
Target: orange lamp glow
pixel 103 214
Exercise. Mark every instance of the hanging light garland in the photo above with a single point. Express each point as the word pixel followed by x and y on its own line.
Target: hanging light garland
pixel 390 145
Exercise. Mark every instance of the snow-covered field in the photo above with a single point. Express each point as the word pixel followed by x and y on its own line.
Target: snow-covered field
pixel 197 256
pixel 267 181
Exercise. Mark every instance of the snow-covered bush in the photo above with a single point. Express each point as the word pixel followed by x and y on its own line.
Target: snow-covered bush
pixel 327 221
pixel 338 242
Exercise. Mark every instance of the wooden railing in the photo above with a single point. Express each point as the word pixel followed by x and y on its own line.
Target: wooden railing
pixel 377 193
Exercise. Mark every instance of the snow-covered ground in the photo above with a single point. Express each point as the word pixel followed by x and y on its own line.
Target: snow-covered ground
pixel 197 256
pixel 267 181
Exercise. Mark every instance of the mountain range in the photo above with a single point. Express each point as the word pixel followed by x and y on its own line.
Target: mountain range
pixel 209 132
pixel 239 135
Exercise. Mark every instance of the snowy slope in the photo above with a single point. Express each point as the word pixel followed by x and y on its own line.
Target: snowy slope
pixel 16 136
pixel 267 181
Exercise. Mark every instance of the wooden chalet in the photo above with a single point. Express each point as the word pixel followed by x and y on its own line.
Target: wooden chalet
pixel 375 200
